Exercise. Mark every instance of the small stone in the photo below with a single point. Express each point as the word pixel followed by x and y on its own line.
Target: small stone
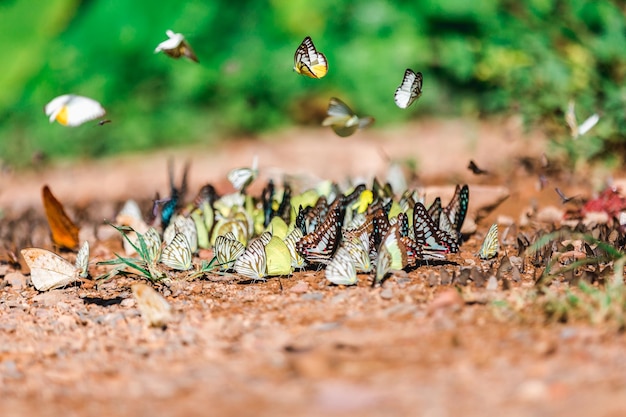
pixel 448 299
pixel 492 283
pixel 386 294
pixel 16 280
pixel 128 303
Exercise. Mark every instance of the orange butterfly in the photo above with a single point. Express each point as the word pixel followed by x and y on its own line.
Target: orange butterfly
pixel 64 231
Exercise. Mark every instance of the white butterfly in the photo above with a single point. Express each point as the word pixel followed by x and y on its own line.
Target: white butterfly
pixel 341 270
pixel 410 89
pixel 359 247
pixel 576 129
pixel 177 255
pixel 490 245
pixel 240 178
pixel 184 225
pixel 253 262
pixel 343 120
pixel 297 261
pixel 73 110
pixel 49 271
pixel 227 250
pixel 155 309
pixel 176 46
pixel 153 244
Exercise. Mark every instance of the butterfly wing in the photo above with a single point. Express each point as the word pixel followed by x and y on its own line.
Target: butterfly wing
pixel 64 231
pixel 409 90
pixel 297 261
pixel 227 250
pixel 48 270
pixel 341 270
pixel 73 110
pixel 428 235
pixel 320 245
pixel 309 61
pixel 177 255
pixel 490 245
pixel 253 262
pixel 277 257
pixel 82 260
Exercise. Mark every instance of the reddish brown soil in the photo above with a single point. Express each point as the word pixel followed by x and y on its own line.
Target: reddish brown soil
pixel 298 346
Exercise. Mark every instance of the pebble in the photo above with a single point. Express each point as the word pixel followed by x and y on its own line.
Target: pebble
pixel 128 303
pixel 300 288
pixel 386 294
pixel 492 283
pixel 16 280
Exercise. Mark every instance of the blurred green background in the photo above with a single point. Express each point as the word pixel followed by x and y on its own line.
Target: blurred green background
pixel 527 57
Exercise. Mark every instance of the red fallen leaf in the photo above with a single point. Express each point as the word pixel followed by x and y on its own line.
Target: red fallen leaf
pixel 609 201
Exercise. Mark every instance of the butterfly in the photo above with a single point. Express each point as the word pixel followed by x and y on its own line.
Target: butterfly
pixel 49 271
pixel 227 250
pixel 409 90
pixel 396 249
pixel 456 210
pixel 428 235
pixel 490 245
pixel 253 262
pixel 64 231
pixel 343 120
pixel 177 255
pixel 240 178
pixel 278 257
pixel 435 209
pixel 320 245
pixel 152 241
pixel 155 309
pixel 73 110
pixel 475 169
pixel 564 199
pixel 359 249
pixel 184 225
pixel 341 269
pixel 308 61
pixel 297 261
pixel 576 129
pixel 176 46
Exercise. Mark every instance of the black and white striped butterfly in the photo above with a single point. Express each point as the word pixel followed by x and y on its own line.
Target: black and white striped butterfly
pixel 456 210
pixel 309 61
pixel 428 235
pixel 320 245
pixel 297 261
pixel 409 90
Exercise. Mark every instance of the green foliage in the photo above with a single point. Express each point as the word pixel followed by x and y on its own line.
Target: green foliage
pixel 529 56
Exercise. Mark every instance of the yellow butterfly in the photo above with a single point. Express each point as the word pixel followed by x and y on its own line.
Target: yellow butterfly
pixel 73 110
pixel 308 61
pixel 490 245
pixel 176 46
pixel 343 120
pixel 278 257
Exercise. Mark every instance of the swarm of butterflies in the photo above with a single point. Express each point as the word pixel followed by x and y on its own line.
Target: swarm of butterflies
pixel 74 110
pixel 362 230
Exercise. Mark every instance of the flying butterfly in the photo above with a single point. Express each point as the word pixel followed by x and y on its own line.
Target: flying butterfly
pixel 490 245
pixel 576 129
pixel 564 199
pixel 309 61
pixel 155 309
pixel 49 271
pixel 227 250
pixel 253 262
pixel 176 46
pixel 64 231
pixel 177 255
pixel 409 90
pixel 476 169
pixel 341 270
pixel 343 120
pixel 73 110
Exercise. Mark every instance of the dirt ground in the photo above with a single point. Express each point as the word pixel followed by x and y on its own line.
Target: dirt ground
pixel 296 345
